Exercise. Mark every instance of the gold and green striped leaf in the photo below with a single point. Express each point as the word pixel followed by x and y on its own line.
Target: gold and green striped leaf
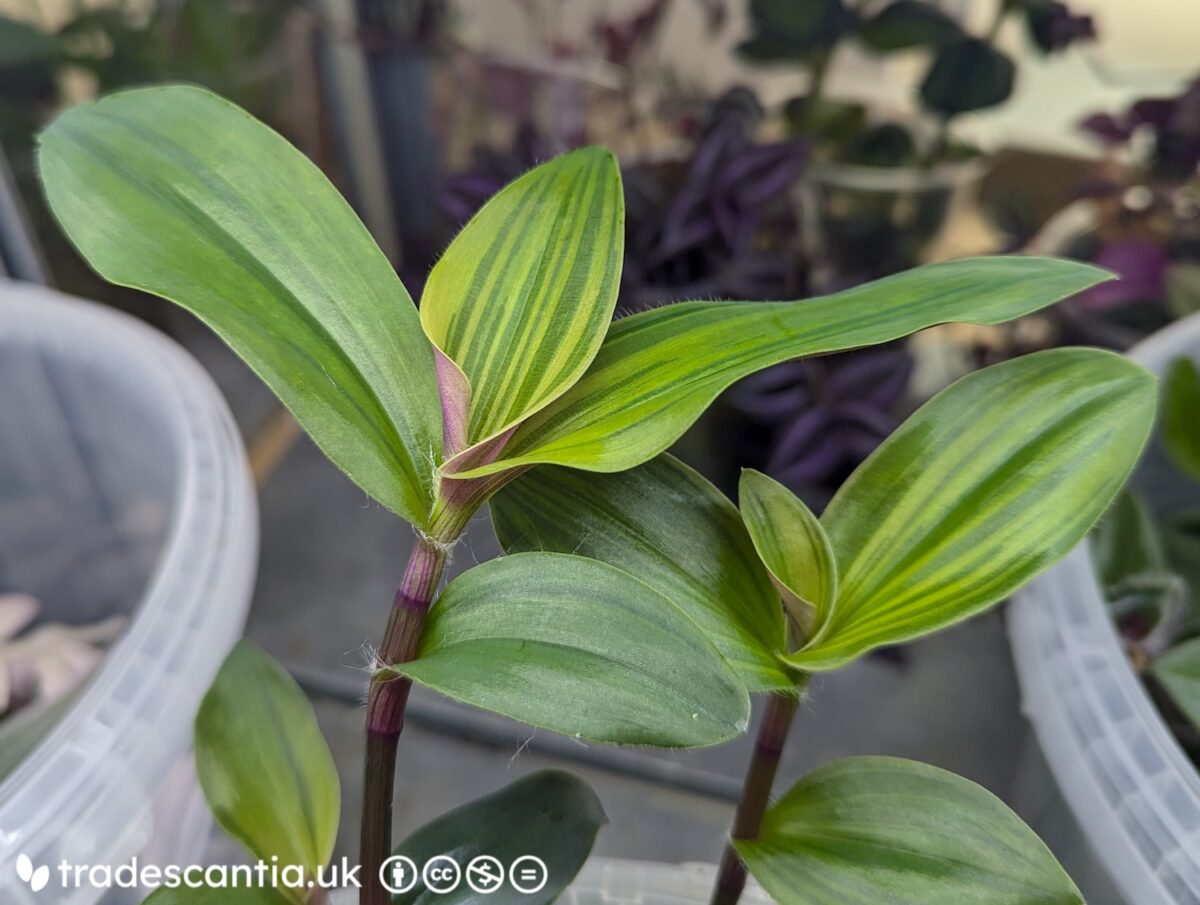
pixel 888 831
pixel 1181 416
pixel 265 768
pixel 987 484
pixel 179 193
pixel 580 647
pixel 523 296
pixel 657 371
pixel 793 546
pixel 215 895
pixel 667 526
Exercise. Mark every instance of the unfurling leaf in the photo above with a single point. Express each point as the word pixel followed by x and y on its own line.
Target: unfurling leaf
pixel 987 484
pixel 549 814
pixel 793 546
pixel 657 371
pixel 1181 416
pixel 579 647
pixel 263 764
pixel 887 831
pixel 671 529
pixel 523 296
pixel 179 193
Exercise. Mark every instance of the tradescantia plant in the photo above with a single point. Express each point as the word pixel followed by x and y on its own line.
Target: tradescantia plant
pixel 637 605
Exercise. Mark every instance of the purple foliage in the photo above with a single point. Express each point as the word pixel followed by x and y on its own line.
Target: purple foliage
pixel 1054 27
pixel 1141 265
pixel 1174 123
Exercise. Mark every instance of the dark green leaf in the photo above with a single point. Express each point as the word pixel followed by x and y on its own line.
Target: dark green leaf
pixel 579 647
pixel 787 31
pixel 1181 416
pixel 264 765
pixel 550 814
pixel 909 23
pixel 887 831
pixel 987 484
pixel 179 193
pixel 1127 541
pixel 665 524
pixel 968 75
pixel 1178 670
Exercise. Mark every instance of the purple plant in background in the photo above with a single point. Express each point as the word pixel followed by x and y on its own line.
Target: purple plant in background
pixel 1173 123
pixel 823 416
pixel 1053 27
pixel 1142 265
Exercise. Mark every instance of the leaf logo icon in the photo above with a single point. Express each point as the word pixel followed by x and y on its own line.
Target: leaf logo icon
pixel 37 879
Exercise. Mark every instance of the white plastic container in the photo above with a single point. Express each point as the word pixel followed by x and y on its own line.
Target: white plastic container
pixel 1133 791
pixel 132 494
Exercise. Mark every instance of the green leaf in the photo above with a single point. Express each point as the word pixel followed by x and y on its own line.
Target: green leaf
pixel 522 298
pixel 666 525
pixel 657 371
pixel 179 193
pixel 1127 541
pixel 550 814
pixel 909 23
pixel 888 831
pixel 1181 416
pixel 787 31
pixel 1178 671
pixel 264 765
pixel 579 647
pixel 968 75
pixel 1183 288
pixel 986 485
pixel 793 546
pixel 206 896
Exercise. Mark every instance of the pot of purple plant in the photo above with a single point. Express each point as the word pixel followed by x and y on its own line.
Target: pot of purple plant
pixel 636 605
pixel 1108 662
pixel 879 189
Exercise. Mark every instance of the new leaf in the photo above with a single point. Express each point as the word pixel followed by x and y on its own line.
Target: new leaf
pixel 179 193
pixel 987 484
pixel 657 371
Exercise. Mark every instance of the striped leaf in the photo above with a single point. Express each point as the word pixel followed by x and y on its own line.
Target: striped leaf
pixel 522 298
pixel 657 371
pixel 986 485
pixel 1181 416
pixel 215 895
pixel 888 831
pixel 579 647
pixel 179 193
pixel 793 546
pixel 666 525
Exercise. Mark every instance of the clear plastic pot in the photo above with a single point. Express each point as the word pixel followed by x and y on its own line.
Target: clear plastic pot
pixel 123 489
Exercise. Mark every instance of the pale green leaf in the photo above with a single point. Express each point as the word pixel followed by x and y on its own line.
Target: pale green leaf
pixel 657 371
pixel 1178 671
pixel 989 483
pixel 1181 416
pixel 522 298
pixel 666 525
pixel 263 764
pixel 549 814
pixel 1127 541
pixel 179 193
pixel 888 831
pixel 215 896
pixel 579 647
pixel 793 546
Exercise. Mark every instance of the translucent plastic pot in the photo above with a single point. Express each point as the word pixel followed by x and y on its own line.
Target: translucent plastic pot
pixel 123 489
pixel 1134 794
pixel 866 222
